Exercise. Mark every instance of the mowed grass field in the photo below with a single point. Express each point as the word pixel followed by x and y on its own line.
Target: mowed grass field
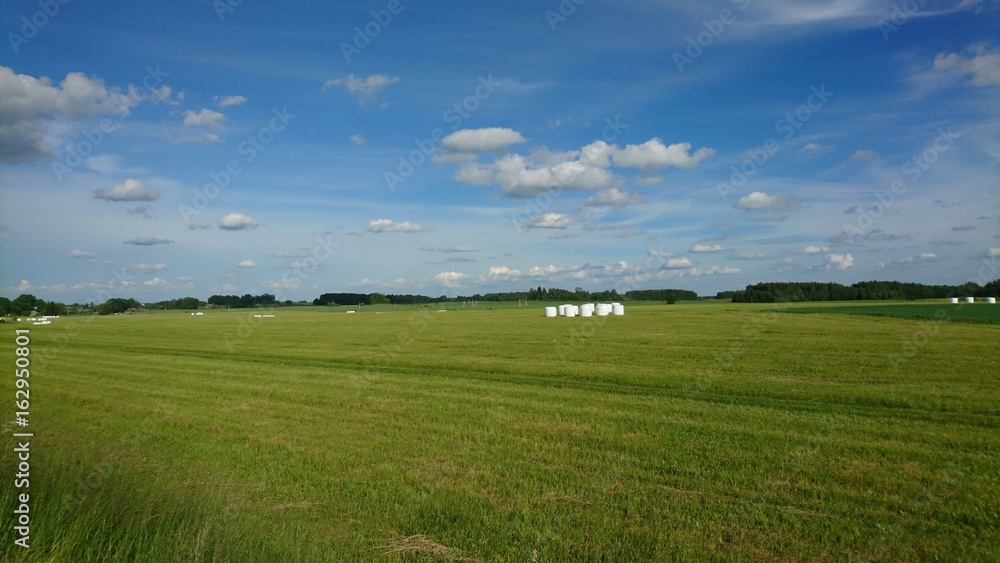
pixel 677 432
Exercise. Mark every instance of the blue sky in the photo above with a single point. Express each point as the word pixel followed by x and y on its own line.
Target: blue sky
pixel 156 150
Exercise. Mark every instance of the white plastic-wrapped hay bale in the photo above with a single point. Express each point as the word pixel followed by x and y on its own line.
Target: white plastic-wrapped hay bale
pixel 562 310
pixel 953 300
pixel 587 310
pixel 617 309
pixel 551 312
pixel 970 299
pixel 603 309
pixel 571 310
pixel 991 300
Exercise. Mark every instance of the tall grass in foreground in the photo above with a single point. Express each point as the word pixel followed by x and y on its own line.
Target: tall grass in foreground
pixel 688 432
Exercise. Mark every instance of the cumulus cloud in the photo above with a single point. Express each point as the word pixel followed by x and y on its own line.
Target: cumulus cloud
pixel 390 226
pixel 147 241
pixel 923 257
pixel 706 248
pixel 761 202
pixel 146 268
pixel 839 261
pixel 238 222
pixel 129 190
pixel 29 105
pixel 676 263
pixel 653 155
pixel 613 197
pixel 519 176
pixel 156 283
pixel 982 67
pixel 746 255
pixel 864 154
pixel 810 149
pixel 548 221
pixel 474 174
pixel 487 139
pixel 227 101
pixel 358 139
pixel 588 168
pixel 364 90
pixel 77 253
pixel 498 273
pixel 451 279
pixel 813 249
pixel 246 264
pixel 204 118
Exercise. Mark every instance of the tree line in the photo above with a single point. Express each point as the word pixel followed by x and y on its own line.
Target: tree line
pixel 780 292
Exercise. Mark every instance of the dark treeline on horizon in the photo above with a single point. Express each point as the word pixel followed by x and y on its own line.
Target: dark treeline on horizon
pixel 780 292
pixel 533 294
pixel 767 292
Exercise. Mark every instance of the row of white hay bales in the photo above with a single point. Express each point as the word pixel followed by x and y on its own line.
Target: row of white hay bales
pixel 954 300
pixel 586 310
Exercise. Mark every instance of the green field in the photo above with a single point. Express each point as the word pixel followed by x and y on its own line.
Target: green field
pixel 677 432
pixel 932 311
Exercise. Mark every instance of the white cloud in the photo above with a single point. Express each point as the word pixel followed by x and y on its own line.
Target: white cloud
pixel 813 249
pixel 473 174
pixel 146 268
pixel 202 139
pixel 246 264
pixel 760 201
pixel 613 197
pixel 129 190
pixel 675 263
pixel 922 258
pixel 204 118
pixel 155 283
pixel 864 154
pixel 389 226
pixel 810 149
pixel 746 255
pixel 451 279
pixel 227 101
pixel 706 248
pixel 548 221
pixel 653 155
pixel 717 270
pixel 983 68
pixel 358 139
pixel 29 105
pixel 238 222
pixel 994 251
pixel 498 273
pixel 77 253
pixel 487 139
pixel 519 176
pixel 460 248
pixel 365 90
pixel 839 261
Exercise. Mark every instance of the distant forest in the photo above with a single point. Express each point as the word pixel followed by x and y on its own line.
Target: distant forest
pixel 775 292
pixel 770 292
pixel 534 294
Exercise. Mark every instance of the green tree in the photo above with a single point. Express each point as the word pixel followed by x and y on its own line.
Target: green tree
pixel 23 304
pixel 6 307
pixel 377 298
